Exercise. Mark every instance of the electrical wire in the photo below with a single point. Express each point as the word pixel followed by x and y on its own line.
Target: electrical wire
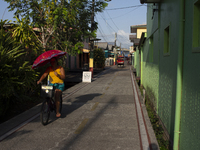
pixel 125 13
pixel 123 37
pixel 125 7
pixel 100 30
pixel 113 22
pixel 107 23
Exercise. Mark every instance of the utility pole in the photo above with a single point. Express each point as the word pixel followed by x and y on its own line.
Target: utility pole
pixel 115 48
pixel 120 50
pixel 91 62
pixel 115 38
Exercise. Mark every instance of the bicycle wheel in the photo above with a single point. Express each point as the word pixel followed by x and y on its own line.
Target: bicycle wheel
pixel 45 112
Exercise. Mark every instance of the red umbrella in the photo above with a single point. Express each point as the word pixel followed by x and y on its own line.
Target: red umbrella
pixel 45 57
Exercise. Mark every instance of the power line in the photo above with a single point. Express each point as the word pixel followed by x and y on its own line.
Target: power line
pixel 125 13
pixel 113 22
pixel 102 36
pixel 115 31
pixel 100 30
pixel 125 7
pixel 116 26
pixel 110 27
pixel 107 23
pixel 123 37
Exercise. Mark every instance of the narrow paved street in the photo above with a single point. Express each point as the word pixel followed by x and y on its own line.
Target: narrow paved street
pixel 96 116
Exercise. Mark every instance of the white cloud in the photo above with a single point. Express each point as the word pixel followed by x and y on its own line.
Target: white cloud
pixel 122 37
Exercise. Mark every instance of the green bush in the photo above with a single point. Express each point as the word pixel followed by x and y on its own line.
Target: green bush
pixel 17 79
pixel 157 127
pixel 99 58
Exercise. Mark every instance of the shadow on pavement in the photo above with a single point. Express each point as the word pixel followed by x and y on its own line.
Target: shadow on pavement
pixel 77 103
pixel 89 124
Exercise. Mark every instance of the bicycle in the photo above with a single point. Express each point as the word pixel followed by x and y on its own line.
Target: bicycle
pixel 48 104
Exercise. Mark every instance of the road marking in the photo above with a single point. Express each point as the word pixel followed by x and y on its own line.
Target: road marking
pixel 102 95
pixel 107 88
pixel 95 106
pixel 113 78
pixel 81 126
pixel 110 83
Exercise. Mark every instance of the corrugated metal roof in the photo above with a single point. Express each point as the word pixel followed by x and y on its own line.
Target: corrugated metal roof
pixel 135 27
pixel 139 26
pixel 103 45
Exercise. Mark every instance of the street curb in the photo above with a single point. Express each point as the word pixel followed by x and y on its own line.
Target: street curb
pixel 154 143
pixel 19 119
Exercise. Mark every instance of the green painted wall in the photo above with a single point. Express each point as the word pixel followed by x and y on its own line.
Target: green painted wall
pixel 160 67
pixel 135 59
pixel 169 19
pixel 137 62
pixel 190 111
pixel 151 68
pixel 160 59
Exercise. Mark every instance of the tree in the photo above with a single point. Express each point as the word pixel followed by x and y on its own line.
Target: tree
pixel 22 33
pixel 99 58
pixel 17 78
pixel 63 22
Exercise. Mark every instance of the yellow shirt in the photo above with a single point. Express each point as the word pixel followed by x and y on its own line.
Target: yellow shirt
pixel 53 77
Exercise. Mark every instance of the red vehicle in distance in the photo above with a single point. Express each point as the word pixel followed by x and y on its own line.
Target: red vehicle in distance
pixel 120 61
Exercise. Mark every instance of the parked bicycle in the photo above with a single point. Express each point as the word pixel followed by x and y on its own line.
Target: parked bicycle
pixel 48 105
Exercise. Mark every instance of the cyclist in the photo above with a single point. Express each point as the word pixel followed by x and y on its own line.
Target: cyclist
pixel 57 76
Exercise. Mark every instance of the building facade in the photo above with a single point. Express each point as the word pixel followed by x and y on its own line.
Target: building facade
pixel 169 55
pixel 137 31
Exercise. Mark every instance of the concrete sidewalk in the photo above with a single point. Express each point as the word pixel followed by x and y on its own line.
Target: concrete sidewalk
pixel 98 115
pixel 76 74
pixel 73 77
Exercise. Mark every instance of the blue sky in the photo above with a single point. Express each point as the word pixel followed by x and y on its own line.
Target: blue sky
pixel 4 13
pixel 116 18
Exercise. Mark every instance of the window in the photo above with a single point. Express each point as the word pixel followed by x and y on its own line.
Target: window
pixel 151 49
pixel 196 27
pixel 167 41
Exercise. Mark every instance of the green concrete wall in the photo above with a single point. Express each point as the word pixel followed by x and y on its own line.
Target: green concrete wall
pixel 190 111
pixel 169 17
pixel 135 59
pixel 151 69
pixel 137 62
pixel 160 68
